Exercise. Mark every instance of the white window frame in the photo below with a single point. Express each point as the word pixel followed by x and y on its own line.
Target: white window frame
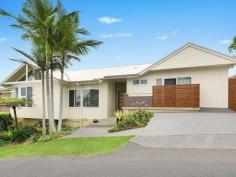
pixel 183 78
pixel 81 97
pixel 80 90
pixel 142 81
pixel 161 81
pixel 25 96
pixel 136 80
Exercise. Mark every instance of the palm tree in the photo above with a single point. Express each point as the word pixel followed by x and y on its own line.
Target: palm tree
pixel 37 23
pixel 37 58
pixel 69 46
pixel 232 46
pixel 13 103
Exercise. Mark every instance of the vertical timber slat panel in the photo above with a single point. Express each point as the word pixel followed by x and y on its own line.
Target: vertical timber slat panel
pixel 232 94
pixel 176 96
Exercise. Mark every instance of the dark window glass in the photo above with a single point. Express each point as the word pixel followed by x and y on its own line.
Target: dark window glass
pixel 170 81
pixel 72 98
pixel 29 97
pixel 144 81
pixel 90 98
pixel 135 82
pixel 77 98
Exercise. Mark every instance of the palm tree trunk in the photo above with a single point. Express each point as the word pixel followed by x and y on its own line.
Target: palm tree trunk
pixel 61 98
pixel 43 100
pixel 52 128
pixel 52 93
pixel 16 119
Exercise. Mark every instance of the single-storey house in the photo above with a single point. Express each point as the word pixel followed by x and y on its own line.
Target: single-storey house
pixel 98 93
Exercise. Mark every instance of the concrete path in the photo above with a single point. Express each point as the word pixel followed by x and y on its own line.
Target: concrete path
pixel 130 161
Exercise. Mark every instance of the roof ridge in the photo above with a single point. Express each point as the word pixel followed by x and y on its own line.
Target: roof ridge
pixel 109 67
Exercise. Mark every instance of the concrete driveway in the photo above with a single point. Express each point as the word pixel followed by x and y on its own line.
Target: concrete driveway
pixel 179 130
pixel 192 124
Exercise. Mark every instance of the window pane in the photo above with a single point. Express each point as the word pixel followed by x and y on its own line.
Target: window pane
pixel 159 82
pixel 71 98
pixel 77 98
pixel 90 98
pixel 29 97
pixel 135 82
pixel 184 80
pixel 14 93
pixel 23 92
pixel 144 81
pixel 170 81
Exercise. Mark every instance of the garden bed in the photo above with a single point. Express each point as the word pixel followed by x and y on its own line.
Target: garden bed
pixel 133 120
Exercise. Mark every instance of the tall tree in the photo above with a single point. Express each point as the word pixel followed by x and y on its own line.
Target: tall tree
pixel 232 47
pixel 37 58
pixel 37 22
pixel 69 46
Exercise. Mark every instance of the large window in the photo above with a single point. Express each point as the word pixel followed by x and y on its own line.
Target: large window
pixel 32 75
pixel 26 93
pixel 90 98
pixel 184 80
pixel 74 98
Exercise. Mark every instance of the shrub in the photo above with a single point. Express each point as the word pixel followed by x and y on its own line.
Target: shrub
pixel 39 138
pixel 136 119
pixel 6 135
pixel 119 115
pixel 6 121
pixel 23 133
pixel 67 130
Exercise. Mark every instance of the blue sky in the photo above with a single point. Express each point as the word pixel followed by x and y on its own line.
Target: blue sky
pixel 134 32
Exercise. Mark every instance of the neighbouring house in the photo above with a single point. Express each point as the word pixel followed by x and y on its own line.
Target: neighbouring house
pixel 191 77
pixel 4 92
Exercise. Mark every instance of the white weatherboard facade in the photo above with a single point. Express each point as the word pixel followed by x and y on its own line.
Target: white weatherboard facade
pixel 94 92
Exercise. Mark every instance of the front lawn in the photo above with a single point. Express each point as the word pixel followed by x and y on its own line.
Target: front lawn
pixel 65 147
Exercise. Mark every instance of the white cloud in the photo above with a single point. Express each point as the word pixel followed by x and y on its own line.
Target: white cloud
pixel 116 35
pixel 173 33
pixel 3 39
pixel 166 36
pixel 224 41
pixel 163 37
pixel 196 30
pixel 109 20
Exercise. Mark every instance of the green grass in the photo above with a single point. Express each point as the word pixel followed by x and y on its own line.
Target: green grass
pixel 65 147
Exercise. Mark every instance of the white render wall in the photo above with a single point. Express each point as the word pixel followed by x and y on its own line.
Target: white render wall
pixel 100 112
pixel 213 84
pixel 104 110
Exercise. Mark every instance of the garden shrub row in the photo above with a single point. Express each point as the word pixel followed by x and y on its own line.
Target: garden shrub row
pixel 136 119
pixel 31 133
pixel 6 121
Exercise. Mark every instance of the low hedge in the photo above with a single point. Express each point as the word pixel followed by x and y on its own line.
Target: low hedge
pixel 136 119
pixel 6 121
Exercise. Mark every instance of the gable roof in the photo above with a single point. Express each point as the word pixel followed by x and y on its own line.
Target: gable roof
pixel 229 59
pixel 127 71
